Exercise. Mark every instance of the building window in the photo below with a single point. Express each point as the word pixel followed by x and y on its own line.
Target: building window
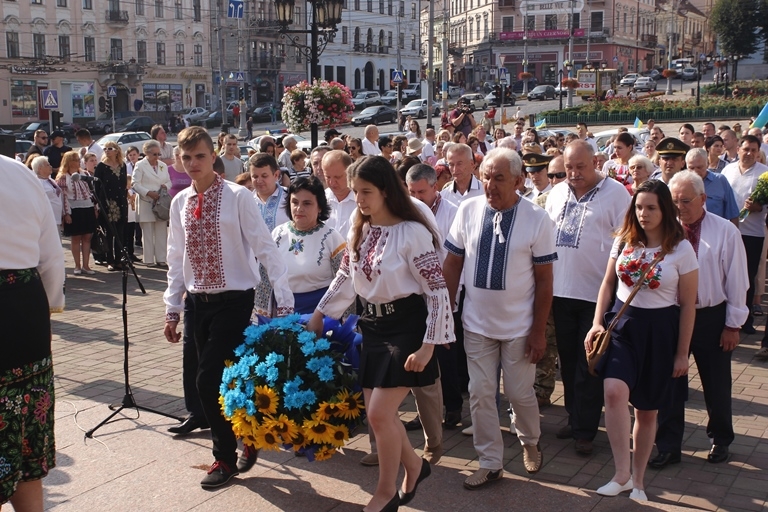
pixel 12 44
pixel 89 44
pixel 61 3
pixel 402 41
pixel 413 41
pixel 24 98
pixel 298 56
pixel 344 35
pixel 140 7
pixel 470 31
pixel 64 48
pixel 625 22
pixel 39 45
pixel 38 2
pixel 141 51
pixel 550 22
pixel 507 23
pixel 88 5
pixel 161 54
pixel 485 27
pixel 413 11
pixel 357 36
pixel 116 49
pixel 402 9
pixel 530 22
pixel 297 19
pixel 178 10
pixel 158 8
pixel 179 54
pixel 389 7
pixel 389 39
pixel 596 23
pixel 197 9
pixel 357 5
pixel 576 20
pixel 370 5
pixel 381 6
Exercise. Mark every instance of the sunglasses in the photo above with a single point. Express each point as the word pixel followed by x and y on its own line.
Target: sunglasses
pixel 558 175
pixel 153 154
pixel 110 149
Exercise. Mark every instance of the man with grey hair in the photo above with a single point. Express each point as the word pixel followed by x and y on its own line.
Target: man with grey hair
pixel 721 309
pixel 340 198
pixel 505 247
pixel 284 159
pixel 371 140
pixel 721 200
pixel 337 143
pixel 587 210
pixel 507 142
pixel 461 163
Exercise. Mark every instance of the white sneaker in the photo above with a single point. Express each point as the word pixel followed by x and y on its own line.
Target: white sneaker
pixel 638 495
pixel 615 488
pixel 469 431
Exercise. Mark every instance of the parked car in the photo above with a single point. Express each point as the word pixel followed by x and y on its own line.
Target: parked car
pixel 454 91
pixel 375 115
pixel 418 108
pixel 125 140
pixel 389 98
pixel 263 112
pixel 645 83
pixel 640 135
pixel 560 90
pixel 27 130
pixel 629 80
pixel 103 123
pixel 542 92
pixel 654 74
pixel 20 151
pixel 303 143
pixel 517 87
pixel 492 100
pixel 412 91
pixel 135 124
pixel 195 114
pixel 476 101
pixel 366 99
pixel 214 119
pixel 689 74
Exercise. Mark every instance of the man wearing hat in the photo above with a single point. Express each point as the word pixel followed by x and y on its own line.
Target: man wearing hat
pixel 672 153
pixel 536 168
pixel 56 149
pixel 331 134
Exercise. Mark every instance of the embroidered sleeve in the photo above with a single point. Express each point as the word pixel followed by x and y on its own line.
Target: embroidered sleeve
pixel 341 292
pixel 172 317
pixel 174 294
pixel 264 299
pixel 454 241
pixel 543 247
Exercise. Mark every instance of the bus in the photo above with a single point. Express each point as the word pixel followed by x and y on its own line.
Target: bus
pixel 593 83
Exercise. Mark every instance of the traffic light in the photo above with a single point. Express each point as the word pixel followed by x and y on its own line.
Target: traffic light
pixel 108 106
pixel 241 95
pixel 55 119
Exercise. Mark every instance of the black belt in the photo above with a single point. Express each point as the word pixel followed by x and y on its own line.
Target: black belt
pixel 390 308
pixel 221 296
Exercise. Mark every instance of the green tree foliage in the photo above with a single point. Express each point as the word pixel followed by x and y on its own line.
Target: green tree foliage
pixel 737 26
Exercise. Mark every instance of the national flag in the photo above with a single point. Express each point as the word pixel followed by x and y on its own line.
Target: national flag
pixel 541 124
pixel 762 119
pixel 638 123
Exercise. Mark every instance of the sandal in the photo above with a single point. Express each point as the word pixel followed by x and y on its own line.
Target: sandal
pixel 532 458
pixel 481 477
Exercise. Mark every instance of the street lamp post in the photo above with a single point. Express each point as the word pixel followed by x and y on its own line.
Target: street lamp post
pixel 701 64
pixel 569 67
pixel 725 91
pixel 326 15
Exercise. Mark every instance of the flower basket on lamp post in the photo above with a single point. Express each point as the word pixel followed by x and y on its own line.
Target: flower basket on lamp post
pixel 325 103
pixel 669 74
pixel 525 76
pixel 570 83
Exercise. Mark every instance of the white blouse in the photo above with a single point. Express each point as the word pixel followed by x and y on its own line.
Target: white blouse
pixel 147 179
pixel 312 257
pixel 395 262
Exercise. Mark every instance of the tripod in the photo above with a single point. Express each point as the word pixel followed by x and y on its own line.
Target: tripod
pixel 128 399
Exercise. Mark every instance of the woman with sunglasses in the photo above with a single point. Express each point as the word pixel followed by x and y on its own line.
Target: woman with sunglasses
pixel 355 149
pixel 112 188
pixel 149 177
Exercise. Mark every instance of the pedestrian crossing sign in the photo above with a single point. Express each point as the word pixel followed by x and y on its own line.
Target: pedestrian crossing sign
pixel 50 98
pixel 112 91
pixel 240 77
pixel 397 76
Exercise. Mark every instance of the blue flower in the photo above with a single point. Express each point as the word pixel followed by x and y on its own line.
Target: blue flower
pixel 273 358
pixel 272 375
pixel 325 374
pixel 293 386
pixel 306 337
pixel 317 363
pixel 322 344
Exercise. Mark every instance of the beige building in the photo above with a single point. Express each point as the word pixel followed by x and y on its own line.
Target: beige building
pixel 154 52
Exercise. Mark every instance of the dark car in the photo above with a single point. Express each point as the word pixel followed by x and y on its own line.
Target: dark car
pixel 27 130
pixel 518 86
pixel 103 124
pixel 375 115
pixel 263 113
pixel 135 124
pixel 542 92
pixel 214 119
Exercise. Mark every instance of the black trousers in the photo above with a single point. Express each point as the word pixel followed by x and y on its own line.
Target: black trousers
pixel 129 232
pixel 714 367
pixel 753 245
pixel 583 392
pixel 218 330
pixel 189 360
pixel 454 376
pixel 113 242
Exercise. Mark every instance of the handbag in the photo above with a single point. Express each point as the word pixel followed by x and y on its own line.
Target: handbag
pixel 161 207
pixel 602 340
pixel 99 243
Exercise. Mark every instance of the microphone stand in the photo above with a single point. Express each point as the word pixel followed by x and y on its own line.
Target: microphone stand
pixel 128 399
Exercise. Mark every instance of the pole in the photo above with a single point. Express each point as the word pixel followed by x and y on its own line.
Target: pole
pixel 445 58
pixel 670 26
pixel 242 132
pixel 570 59
pixel 637 42
pixel 725 91
pixel 560 76
pixel 313 64
pixel 525 52
pixel 222 82
pixel 589 29
pixel 112 99
pixel 430 62
pixel 399 68
pixel 698 84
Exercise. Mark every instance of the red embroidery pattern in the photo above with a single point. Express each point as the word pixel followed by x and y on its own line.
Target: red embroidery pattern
pixel 341 277
pixel 370 248
pixel 203 238
pixel 428 265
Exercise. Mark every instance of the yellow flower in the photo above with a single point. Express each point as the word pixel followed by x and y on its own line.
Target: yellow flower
pixel 267 439
pixel 283 426
pixel 228 363
pixel 328 409
pixel 299 439
pixel 354 405
pixel 324 453
pixel 266 400
pixel 340 435
pixel 318 431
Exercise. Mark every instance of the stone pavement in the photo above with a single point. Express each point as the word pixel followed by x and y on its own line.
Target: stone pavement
pixel 134 464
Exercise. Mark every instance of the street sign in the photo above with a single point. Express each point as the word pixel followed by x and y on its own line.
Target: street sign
pixel 503 74
pixel 615 59
pixel 240 77
pixel 112 91
pixel 492 71
pixel 702 57
pixel 504 81
pixel 50 99
pixel 235 9
pixel 397 76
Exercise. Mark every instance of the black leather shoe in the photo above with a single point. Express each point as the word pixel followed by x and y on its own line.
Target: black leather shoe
pixel 247 459
pixel 406 497
pixel 188 426
pixel 452 419
pixel 718 453
pixel 414 424
pixel 664 459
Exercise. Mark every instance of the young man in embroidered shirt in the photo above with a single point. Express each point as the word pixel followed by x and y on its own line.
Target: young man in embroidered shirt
pixel 216 235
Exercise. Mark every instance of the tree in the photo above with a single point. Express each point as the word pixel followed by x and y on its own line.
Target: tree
pixel 737 26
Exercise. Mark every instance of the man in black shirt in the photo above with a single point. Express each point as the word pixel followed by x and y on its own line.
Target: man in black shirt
pixel 56 149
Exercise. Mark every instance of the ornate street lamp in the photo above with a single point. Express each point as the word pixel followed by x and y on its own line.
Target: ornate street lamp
pixel 326 15
pixel 569 66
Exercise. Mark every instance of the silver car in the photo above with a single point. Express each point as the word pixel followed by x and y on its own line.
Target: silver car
pixel 418 108
pixel 476 101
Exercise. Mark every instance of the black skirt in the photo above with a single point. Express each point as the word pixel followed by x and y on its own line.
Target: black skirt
pixel 387 343
pixel 83 222
pixel 642 354
pixel 25 317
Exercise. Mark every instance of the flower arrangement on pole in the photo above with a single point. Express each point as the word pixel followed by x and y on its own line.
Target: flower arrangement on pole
pixel 570 83
pixel 327 104
pixel 288 389
pixel 669 73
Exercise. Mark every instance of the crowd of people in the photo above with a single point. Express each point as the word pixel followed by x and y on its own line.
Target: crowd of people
pixel 474 259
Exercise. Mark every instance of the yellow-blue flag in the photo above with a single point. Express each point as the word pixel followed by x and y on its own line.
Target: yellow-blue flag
pixel 541 124
pixel 638 123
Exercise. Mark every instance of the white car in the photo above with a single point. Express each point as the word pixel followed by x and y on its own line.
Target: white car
pixel 366 99
pixel 195 114
pixel 418 108
pixel 476 101
pixel 640 135
pixel 302 143
pixel 645 83
pixel 629 79
pixel 125 140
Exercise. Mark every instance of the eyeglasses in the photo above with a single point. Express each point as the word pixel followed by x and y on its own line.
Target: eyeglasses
pixel 153 154
pixel 558 175
pixel 43 138
pixel 683 202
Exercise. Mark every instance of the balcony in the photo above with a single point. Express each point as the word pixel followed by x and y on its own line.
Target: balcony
pixel 370 48
pixel 696 38
pixel 265 63
pixel 263 23
pixel 649 40
pixel 119 17
pixel 456 49
pixel 129 69
pixel 507 4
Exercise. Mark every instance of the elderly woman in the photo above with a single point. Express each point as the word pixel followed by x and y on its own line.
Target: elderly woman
pixel 80 211
pixel 483 146
pixel 179 177
pixel 42 168
pixel 640 169
pixel 618 167
pixel 149 177
pixel 459 138
pixel 113 189
pixel 311 250
pixel 600 160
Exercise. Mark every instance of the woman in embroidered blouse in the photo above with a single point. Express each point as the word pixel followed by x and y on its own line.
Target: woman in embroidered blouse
pixel 113 187
pixel 640 169
pixel 618 167
pixel 149 176
pixel 649 347
pixel 392 264
pixel 311 250
pixel 81 211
